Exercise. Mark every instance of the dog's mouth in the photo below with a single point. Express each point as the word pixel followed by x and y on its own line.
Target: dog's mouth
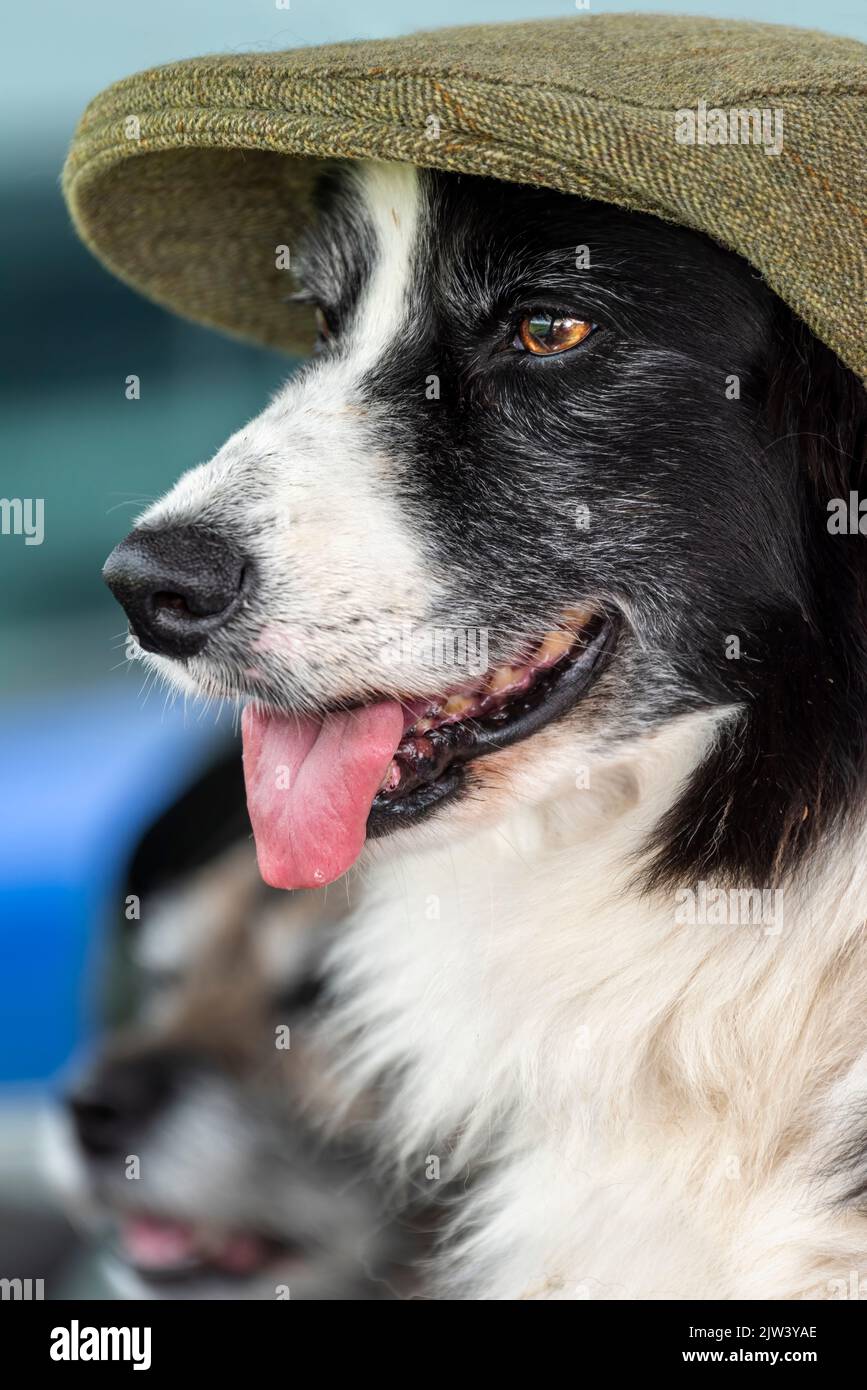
pixel 163 1249
pixel 317 787
pixel 507 705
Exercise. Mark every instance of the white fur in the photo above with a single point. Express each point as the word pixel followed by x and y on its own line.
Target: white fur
pixel 309 485
pixel 652 1099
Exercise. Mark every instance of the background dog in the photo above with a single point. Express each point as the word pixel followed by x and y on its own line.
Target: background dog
pixel 599 443
pixel 196 1152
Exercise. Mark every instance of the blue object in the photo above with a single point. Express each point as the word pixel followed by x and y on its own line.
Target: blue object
pixel 84 773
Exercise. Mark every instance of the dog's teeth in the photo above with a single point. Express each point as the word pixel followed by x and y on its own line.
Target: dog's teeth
pixel 391 780
pixel 490 695
pixel 578 618
pixel 554 645
pixel 457 706
pixel 504 676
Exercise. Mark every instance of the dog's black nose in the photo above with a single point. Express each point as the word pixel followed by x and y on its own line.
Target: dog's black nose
pixel 116 1098
pixel 177 586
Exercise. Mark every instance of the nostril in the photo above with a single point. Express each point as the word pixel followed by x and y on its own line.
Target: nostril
pixel 176 602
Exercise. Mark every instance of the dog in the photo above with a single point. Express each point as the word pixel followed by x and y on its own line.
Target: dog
pixel 192 1152
pixel 548 648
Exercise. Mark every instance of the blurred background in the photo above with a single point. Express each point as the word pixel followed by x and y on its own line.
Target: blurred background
pixel 91 759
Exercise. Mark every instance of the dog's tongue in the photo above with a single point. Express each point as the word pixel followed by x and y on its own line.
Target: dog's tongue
pixel 310 784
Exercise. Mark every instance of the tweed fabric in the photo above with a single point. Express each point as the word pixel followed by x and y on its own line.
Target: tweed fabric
pixel 186 178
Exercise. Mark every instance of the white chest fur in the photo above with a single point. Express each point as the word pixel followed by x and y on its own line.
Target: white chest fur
pixel 645 1101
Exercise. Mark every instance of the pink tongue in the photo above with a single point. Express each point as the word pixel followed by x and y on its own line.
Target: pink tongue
pixel 155 1244
pixel 310 784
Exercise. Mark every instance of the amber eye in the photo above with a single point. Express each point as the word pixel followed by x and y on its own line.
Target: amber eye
pixel 545 334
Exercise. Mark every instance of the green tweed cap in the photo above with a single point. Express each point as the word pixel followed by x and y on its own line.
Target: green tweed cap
pixel 186 179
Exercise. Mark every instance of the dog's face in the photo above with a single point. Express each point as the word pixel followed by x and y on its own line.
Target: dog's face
pixel 526 489
pixel 196 1133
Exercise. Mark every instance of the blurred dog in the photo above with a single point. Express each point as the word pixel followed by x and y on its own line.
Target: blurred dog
pixel 197 1131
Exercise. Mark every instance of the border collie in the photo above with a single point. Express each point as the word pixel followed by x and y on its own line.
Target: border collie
pixel 528 585
pixel 217 1093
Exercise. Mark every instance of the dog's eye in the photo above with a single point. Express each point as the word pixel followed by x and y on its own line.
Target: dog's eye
pixel 544 335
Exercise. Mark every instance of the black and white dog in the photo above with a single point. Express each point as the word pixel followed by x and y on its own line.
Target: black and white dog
pixel 530 581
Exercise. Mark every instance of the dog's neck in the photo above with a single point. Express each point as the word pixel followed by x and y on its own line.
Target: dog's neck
pixel 519 995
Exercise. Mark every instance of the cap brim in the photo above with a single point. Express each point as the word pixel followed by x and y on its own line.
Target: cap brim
pixel 187 179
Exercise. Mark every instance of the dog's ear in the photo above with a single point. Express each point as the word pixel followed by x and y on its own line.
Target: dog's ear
pixel 817 412
pixel 806 711
pixel 818 404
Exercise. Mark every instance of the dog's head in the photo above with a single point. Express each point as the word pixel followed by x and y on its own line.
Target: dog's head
pixel 196 1134
pixel 556 474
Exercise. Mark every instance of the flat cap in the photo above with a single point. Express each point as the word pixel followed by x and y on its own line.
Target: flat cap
pixel 185 179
